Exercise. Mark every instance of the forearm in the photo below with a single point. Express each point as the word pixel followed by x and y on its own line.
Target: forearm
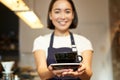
pixel 86 75
pixel 42 69
pixel 45 74
pixel 87 61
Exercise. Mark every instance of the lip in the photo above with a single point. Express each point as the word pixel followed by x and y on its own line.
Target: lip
pixel 62 22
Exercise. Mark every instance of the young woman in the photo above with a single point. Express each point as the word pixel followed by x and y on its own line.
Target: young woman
pixel 62 16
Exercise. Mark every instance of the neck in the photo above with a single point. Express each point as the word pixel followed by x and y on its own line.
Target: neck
pixel 63 33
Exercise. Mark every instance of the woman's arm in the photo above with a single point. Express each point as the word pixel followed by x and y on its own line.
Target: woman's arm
pixel 40 60
pixel 87 64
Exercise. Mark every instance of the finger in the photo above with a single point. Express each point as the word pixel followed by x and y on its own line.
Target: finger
pixel 73 74
pixel 50 67
pixel 60 72
pixel 80 73
pixel 66 72
pixel 69 73
pixel 58 75
pixel 82 68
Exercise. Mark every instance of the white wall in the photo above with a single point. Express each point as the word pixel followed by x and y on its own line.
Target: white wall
pixel 93 23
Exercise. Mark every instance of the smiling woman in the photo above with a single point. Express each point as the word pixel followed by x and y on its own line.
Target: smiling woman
pixel 62 16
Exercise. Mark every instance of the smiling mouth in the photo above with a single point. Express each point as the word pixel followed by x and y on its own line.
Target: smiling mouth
pixel 62 22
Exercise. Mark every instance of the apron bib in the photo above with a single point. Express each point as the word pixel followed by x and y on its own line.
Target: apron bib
pixel 52 51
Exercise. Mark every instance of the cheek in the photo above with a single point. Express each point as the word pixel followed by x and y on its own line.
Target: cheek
pixel 54 17
pixel 72 16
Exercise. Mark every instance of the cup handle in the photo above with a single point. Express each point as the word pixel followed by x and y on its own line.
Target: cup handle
pixel 79 58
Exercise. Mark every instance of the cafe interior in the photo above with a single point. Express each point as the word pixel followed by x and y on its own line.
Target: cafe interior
pixel 21 21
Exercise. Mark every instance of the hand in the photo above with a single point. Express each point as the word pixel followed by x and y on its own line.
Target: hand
pixel 58 73
pixel 77 73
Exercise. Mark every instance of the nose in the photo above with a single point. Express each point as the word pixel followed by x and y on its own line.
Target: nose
pixel 62 15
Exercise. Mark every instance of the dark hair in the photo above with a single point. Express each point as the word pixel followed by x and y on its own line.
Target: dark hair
pixel 74 22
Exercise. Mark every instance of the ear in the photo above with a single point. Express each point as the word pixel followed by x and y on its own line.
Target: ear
pixel 73 16
pixel 50 16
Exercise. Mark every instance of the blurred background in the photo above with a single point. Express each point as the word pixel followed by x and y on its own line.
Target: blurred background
pixel 99 21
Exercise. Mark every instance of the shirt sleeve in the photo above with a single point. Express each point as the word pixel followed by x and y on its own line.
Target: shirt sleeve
pixel 86 45
pixel 83 44
pixel 38 43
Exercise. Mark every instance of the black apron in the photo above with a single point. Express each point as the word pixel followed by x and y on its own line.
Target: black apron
pixel 52 51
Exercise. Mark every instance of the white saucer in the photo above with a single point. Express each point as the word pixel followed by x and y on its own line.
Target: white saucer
pixel 58 66
pixel 7 72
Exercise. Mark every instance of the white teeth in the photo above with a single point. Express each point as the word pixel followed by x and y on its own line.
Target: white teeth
pixel 59 21
pixel 62 22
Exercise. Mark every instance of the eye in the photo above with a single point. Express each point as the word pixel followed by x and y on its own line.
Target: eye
pixel 57 12
pixel 68 11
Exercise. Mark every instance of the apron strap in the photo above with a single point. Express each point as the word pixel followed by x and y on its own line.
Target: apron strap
pixel 51 40
pixel 74 49
pixel 72 41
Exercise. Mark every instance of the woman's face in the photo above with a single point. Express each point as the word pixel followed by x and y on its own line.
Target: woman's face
pixel 61 15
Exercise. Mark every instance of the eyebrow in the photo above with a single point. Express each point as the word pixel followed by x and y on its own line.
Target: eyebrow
pixel 60 9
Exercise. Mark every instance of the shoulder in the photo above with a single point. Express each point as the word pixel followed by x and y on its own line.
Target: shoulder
pixel 81 40
pixel 41 42
pixel 80 37
pixel 42 38
pixel 82 43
